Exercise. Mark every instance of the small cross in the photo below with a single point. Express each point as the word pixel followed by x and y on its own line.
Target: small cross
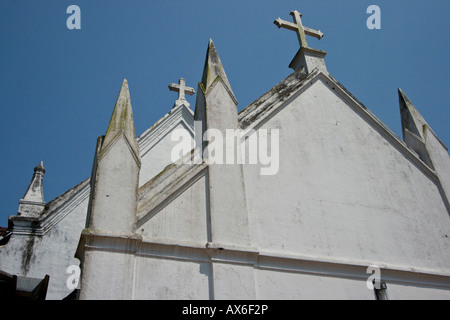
pixel 182 90
pixel 299 28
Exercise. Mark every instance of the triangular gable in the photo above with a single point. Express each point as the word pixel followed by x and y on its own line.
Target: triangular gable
pixel 262 109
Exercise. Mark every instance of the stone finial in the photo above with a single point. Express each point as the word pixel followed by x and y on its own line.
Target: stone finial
pixel 413 128
pixel 40 168
pixel 213 69
pixel 122 121
pixel 182 90
pixel 411 118
pixel 32 203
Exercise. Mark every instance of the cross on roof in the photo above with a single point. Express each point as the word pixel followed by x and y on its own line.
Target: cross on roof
pixel 182 90
pixel 299 28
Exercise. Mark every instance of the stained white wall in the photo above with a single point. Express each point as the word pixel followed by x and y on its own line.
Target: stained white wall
pixel 344 194
pixel 50 254
pixel 53 253
pixel 171 279
pixel 183 218
pixel 292 286
pixel 155 158
pixel 404 292
pixel 344 191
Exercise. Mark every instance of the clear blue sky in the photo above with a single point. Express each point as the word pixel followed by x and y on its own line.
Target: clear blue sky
pixel 58 87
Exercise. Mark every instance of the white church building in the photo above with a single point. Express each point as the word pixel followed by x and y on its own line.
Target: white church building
pixel 304 194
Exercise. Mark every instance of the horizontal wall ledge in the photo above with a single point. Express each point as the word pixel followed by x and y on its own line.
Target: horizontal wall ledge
pixel 260 259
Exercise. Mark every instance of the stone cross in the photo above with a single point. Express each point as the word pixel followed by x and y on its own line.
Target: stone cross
pixel 182 90
pixel 299 28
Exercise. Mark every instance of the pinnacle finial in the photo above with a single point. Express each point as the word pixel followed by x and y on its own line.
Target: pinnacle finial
pixel 213 68
pixel 40 167
pixel 32 203
pixel 122 119
pixel 411 118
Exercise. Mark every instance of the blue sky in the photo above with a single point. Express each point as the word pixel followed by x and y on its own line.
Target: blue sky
pixel 58 86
